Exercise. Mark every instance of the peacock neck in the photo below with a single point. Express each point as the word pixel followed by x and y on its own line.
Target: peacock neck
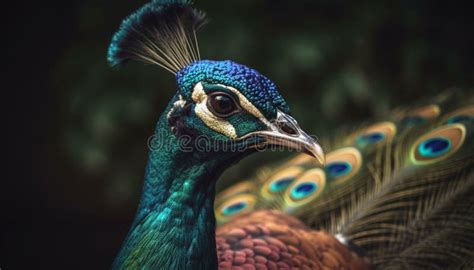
pixel 174 227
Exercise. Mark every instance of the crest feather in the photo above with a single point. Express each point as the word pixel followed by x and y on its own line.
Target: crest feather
pixel 162 32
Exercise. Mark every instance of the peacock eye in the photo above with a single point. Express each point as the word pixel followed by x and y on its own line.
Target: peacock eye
pixel 222 104
pixel 303 190
pixel 438 144
pixel 338 168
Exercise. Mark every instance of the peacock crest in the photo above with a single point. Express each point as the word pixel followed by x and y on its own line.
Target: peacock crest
pixel 161 33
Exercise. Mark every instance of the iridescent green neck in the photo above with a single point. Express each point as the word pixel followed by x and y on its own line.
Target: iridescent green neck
pixel 175 225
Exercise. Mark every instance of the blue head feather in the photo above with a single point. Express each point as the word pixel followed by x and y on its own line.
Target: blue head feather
pixel 261 91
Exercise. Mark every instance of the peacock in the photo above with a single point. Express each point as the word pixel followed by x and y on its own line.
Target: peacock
pixel 392 194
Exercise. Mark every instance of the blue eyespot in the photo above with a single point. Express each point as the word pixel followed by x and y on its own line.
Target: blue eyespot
pixel 234 208
pixel 434 147
pixel 459 118
pixel 338 169
pixel 281 184
pixel 413 120
pixel 303 190
pixel 370 138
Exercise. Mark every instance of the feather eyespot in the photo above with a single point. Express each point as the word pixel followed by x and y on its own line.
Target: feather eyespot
pixel 464 114
pixel 235 206
pixel 370 138
pixel 307 187
pixel 303 190
pixel 281 184
pixel 338 168
pixel 233 200
pixel 342 165
pixel 434 147
pixel 373 135
pixel 438 144
pixel 280 181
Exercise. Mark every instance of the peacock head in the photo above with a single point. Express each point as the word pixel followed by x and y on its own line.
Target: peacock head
pixel 229 102
pixel 217 101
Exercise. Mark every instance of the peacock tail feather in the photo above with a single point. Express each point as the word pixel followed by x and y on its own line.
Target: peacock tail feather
pixel 399 191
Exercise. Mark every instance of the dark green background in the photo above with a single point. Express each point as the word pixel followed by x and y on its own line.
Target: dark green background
pixel 337 63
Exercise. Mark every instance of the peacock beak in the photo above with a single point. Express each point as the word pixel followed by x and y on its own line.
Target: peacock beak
pixel 285 131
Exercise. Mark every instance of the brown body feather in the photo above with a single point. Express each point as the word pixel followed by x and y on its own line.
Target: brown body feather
pixel 270 239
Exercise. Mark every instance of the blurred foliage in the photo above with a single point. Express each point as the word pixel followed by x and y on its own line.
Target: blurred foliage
pixel 336 63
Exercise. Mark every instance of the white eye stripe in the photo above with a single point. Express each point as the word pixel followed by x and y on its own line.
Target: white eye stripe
pixel 219 125
pixel 198 93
